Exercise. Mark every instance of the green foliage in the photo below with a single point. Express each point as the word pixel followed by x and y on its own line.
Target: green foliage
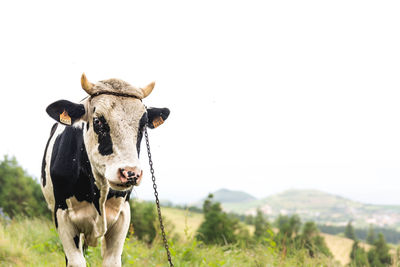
pixel 218 227
pixel 288 226
pixel 30 242
pixel 269 241
pixel 288 229
pixel 289 241
pixel 349 231
pixel 312 241
pixel 358 256
pixel 249 219
pixel 20 194
pixel 390 234
pixel 262 229
pixel 143 220
pixel 182 207
pixel 371 235
pixel 379 255
pixel 243 237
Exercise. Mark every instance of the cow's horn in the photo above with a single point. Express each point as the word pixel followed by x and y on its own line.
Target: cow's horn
pixel 148 89
pixel 86 85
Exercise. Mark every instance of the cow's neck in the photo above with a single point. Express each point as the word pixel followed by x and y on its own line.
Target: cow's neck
pixel 116 198
pixel 102 185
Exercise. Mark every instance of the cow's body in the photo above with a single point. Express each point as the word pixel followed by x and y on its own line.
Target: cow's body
pixel 84 205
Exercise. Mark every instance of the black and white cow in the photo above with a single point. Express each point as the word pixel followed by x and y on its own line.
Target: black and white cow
pixel 91 163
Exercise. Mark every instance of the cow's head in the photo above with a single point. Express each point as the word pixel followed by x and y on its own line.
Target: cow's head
pixel 114 119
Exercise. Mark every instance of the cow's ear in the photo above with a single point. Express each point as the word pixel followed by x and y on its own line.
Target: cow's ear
pixel 66 112
pixel 156 116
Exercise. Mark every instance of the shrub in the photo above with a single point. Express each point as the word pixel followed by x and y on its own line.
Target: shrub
pixel 20 194
pixel 217 227
pixel 379 255
pixel 143 219
pixel 358 256
pixel 312 241
pixel 262 231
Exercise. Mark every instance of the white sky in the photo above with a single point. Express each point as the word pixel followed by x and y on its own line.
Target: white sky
pixel 264 95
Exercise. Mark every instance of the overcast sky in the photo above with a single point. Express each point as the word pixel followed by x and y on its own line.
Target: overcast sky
pixel 265 96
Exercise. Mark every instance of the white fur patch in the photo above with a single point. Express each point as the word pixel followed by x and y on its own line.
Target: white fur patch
pixel 47 190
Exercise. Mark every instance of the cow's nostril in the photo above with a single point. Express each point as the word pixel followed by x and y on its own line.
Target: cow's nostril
pixel 129 175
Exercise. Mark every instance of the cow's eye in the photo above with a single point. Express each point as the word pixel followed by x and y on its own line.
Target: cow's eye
pixel 96 122
pixel 100 125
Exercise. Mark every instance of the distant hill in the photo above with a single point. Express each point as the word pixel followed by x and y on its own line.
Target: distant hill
pixel 318 206
pixel 229 196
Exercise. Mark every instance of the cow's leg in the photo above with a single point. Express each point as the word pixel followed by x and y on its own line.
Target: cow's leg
pixel 113 240
pixel 70 239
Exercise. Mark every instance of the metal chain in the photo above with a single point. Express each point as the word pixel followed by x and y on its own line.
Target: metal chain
pixel 153 178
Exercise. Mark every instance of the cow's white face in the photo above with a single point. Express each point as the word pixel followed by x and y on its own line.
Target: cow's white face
pixel 112 137
pixel 113 130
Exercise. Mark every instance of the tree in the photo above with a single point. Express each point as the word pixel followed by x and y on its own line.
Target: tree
pixel 217 227
pixel 262 227
pixel 288 230
pixel 143 219
pixel 288 226
pixel 20 194
pixel 371 235
pixel 349 231
pixel 312 241
pixel 379 255
pixel 249 219
pixel 358 256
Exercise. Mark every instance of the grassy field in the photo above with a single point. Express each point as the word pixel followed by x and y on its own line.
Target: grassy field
pixel 186 223
pixel 339 246
pixel 34 242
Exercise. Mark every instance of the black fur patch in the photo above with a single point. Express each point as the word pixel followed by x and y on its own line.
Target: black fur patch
pixel 102 129
pixel 116 193
pixel 128 195
pixel 76 240
pixel 55 218
pixel 142 124
pixel 71 171
pixel 53 129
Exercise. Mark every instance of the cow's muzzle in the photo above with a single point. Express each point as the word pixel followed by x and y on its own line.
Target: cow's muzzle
pixel 130 176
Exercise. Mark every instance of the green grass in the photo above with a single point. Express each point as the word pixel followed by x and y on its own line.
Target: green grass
pixel 34 242
pixel 186 223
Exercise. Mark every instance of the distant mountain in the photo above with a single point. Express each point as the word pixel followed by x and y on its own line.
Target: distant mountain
pixel 318 206
pixel 229 196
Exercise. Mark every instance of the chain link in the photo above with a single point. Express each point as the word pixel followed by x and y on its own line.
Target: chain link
pixel 153 178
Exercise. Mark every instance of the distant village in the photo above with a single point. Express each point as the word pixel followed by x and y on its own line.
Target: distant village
pixel 359 217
